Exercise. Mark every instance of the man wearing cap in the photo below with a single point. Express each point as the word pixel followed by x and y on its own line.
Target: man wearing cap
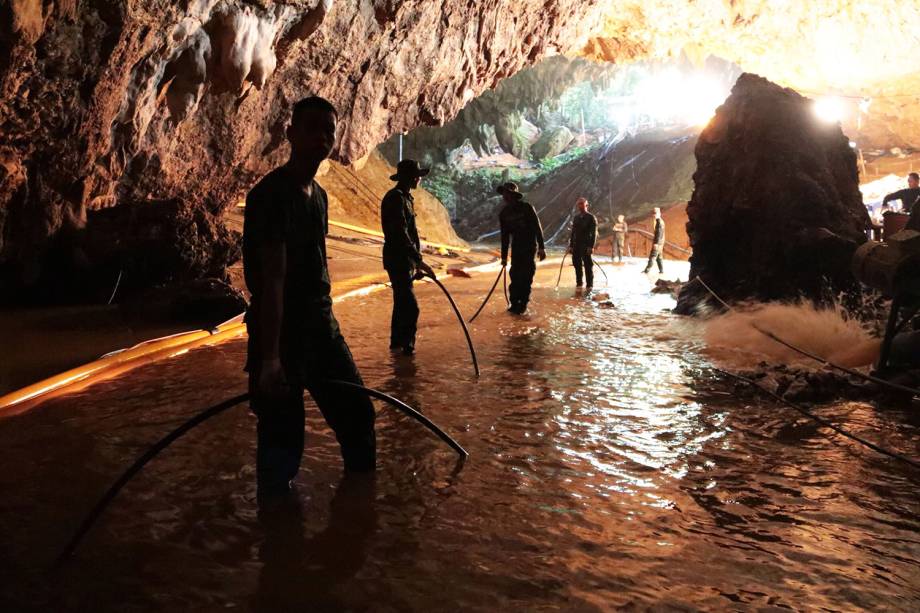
pixel 402 256
pixel 582 242
pixel 521 229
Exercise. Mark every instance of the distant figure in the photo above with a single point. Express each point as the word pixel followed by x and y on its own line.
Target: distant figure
pixel 619 237
pixel 402 255
pixel 294 338
pixel 654 254
pixel 581 243
pixel 908 197
pixel 520 227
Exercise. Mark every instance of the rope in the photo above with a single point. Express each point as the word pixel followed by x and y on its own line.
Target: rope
pixel 505 286
pixel 823 421
pixel 817 358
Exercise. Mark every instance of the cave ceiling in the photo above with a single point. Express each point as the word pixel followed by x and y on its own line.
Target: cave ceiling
pixel 104 102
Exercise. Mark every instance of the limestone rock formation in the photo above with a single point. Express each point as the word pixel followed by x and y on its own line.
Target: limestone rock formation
pixel 155 101
pixel 478 121
pixel 355 196
pixel 776 210
pixel 552 142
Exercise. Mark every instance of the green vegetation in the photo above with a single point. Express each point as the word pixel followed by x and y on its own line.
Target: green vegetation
pixel 450 187
pixel 550 164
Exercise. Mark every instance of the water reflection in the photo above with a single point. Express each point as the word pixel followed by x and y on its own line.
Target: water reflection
pixel 607 470
pixel 297 569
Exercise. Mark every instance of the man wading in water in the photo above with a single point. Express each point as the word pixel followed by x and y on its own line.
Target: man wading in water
pixel 294 339
pixel 520 227
pixel 582 242
pixel 402 256
pixel 619 237
pixel 654 254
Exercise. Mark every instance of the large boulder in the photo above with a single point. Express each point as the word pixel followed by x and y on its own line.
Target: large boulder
pixel 776 210
pixel 551 143
pixel 515 134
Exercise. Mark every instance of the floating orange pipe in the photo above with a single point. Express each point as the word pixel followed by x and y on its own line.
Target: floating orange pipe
pixel 147 352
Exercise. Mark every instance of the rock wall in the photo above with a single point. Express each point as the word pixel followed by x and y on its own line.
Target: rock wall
pixel 498 112
pixel 119 103
pixel 776 210
pixel 110 103
pixel 355 196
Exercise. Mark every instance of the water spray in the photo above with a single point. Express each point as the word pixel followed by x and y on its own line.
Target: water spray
pixel 872 379
pixel 501 274
pixel 201 417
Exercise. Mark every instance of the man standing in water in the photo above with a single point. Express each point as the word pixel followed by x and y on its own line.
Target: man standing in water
pixel 521 229
pixel 619 237
pixel 657 244
pixel 581 243
pixel 294 338
pixel 402 255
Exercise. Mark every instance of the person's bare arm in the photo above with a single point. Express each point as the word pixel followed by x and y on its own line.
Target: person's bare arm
pixel 274 263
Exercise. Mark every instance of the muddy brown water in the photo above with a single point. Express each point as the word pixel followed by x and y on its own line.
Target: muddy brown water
pixel 608 469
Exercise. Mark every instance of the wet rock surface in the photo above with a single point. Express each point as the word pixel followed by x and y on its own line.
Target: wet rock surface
pixel 776 211
pixel 814 387
pixel 125 103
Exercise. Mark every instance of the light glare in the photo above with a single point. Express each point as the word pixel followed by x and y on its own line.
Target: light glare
pixel 829 109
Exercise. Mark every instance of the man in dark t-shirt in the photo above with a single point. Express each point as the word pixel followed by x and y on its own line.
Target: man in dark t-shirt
pixel 294 339
pixel 521 230
pixel 906 196
pixel 910 200
pixel 582 242
pixel 402 255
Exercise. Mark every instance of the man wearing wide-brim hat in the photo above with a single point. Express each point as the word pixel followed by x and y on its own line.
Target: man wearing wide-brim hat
pixel 521 229
pixel 402 255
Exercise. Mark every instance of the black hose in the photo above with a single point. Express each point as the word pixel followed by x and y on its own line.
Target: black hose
pixel 207 414
pixel 823 421
pixel 115 289
pixel 601 268
pixel 505 286
pixel 136 467
pixel 489 295
pixel 561 264
pixel 405 408
pixel 466 332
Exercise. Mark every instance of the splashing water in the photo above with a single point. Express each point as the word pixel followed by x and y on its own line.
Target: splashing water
pixel 733 341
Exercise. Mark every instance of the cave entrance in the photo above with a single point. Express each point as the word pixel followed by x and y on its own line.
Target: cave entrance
pixel 621 136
